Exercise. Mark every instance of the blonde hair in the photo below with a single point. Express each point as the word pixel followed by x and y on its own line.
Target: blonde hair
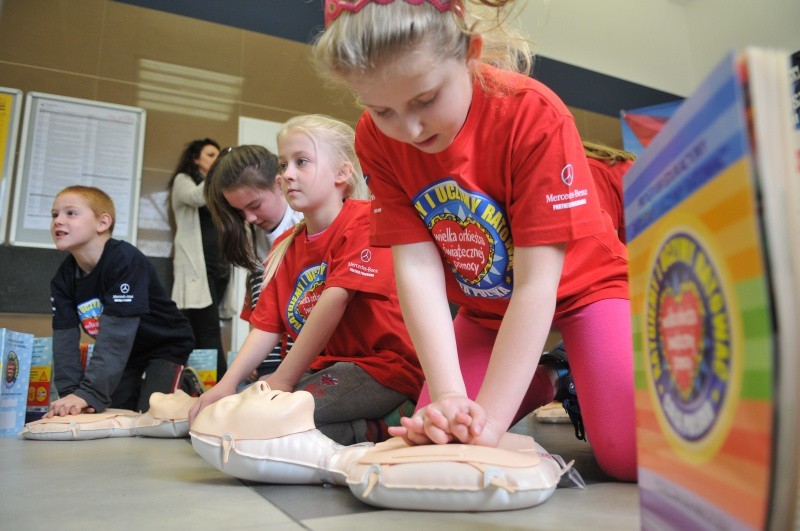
pixel 607 154
pixel 356 43
pixel 337 140
pixel 97 200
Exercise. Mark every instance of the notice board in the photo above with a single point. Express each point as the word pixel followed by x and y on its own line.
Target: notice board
pixel 68 141
pixel 10 105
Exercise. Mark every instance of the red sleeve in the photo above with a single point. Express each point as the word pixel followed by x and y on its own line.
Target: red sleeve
pixel 246 312
pixel 354 264
pixel 553 194
pixel 394 220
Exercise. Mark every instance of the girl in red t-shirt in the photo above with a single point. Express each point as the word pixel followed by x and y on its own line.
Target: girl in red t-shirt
pixel 483 191
pixel 333 293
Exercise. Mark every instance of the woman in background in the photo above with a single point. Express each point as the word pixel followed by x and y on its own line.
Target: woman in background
pixel 200 275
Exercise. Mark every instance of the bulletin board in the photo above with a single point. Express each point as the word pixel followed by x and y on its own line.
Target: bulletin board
pixel 10 107
pixel 68 141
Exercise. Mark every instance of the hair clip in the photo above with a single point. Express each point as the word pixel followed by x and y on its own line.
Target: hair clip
pixel 334 7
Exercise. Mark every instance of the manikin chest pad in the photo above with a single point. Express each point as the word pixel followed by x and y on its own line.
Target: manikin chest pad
pixel 167 417
pixel 269 436
pixel 84 426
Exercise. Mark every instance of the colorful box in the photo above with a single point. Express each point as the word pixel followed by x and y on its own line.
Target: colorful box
pixel 16 350
pixel 712 218
pixel 204 361
pixel 86 354
pixel 41 377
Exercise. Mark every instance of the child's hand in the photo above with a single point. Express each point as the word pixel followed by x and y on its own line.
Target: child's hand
pixel 276 384
pixel 69 405
pixel 489 435
pixel 412 430
pixel 449 419
pixel 454 418
pixel 217 392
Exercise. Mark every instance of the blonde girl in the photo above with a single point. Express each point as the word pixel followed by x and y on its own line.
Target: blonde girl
pixel 332 292
pixel 484 194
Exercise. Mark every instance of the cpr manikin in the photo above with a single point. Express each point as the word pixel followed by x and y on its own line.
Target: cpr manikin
pixel 269 436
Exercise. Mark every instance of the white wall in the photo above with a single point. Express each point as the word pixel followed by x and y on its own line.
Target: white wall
pixel 670 45
pixel 717 25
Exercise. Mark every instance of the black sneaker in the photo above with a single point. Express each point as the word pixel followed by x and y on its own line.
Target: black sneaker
pixel 557 359
pixel 191 384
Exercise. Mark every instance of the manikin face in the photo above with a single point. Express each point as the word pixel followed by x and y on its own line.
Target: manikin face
pixel 208 155
pixel 263 208
pixel 73 223
pixel 258 413
pixel 418 98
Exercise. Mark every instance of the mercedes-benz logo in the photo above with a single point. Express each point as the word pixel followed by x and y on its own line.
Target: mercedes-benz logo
pixel 568 175
pixel 124 288
pixel 366 255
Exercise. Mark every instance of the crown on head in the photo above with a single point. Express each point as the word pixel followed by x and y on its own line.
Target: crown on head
pixel 334 7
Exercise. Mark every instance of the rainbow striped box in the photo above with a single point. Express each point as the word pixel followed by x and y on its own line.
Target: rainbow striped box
pixel 714 298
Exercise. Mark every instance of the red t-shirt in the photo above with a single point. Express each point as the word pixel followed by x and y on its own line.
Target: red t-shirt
pixel 608 181
pixel 516 174
pixel 371 333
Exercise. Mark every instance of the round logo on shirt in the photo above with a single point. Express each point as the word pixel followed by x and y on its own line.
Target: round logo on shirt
pixel 308 287
pixel 473 233
pixel 366 255
pixel 124 288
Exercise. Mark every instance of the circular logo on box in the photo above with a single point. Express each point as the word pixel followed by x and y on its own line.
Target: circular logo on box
pixel 12 369
pixel 688 344
pixel 42 393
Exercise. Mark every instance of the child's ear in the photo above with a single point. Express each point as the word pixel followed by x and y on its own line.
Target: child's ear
pixel 474 50
pixel 344 173
pixel 104 222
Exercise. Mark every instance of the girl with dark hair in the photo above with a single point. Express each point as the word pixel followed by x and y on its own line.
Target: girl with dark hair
pixel 249 211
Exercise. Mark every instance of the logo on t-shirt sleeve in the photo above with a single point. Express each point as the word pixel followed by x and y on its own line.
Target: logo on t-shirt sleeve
pixel 362 268
pixel 574 197
pixel 124 294
pixel 473 233
pixel 89 314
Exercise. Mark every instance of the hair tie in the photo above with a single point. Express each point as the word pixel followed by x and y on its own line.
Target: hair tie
pixel 334 7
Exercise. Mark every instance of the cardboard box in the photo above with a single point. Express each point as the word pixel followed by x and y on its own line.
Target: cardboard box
pixel 40 384
pixel 204 361
pixel 712 213
pixel 16 349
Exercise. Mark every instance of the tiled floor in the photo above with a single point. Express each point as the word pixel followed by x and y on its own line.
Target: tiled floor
pixel 141 483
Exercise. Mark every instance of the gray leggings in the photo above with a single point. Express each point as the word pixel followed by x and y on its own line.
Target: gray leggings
pixel 345 396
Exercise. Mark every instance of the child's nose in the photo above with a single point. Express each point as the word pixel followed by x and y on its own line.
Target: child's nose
pixel 413 127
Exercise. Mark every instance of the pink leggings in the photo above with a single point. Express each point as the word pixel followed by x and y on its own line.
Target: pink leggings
pixel 599 348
